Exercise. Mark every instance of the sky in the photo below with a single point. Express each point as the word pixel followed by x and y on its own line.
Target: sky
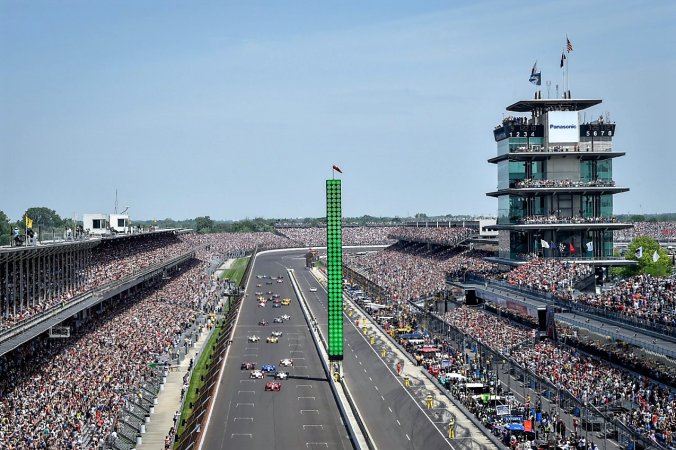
pixel 239 109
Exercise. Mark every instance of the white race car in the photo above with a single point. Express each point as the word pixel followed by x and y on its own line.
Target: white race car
pixel 254 338
pixel 286 317
pixel 287 362
pixel 313 289
pixel 277 333
pixel 282 375
pixel 256 374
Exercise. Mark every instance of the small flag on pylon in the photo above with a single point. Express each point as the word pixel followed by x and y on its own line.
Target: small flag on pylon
pixel 337 169
pixel 29 222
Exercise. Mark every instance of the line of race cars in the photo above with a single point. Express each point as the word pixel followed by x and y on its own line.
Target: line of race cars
pixel 270 369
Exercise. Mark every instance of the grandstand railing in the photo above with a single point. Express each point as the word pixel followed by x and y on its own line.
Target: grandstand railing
pixel 647 325
pixel 101 292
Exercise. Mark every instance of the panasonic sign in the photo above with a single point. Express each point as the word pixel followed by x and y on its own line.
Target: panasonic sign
pixel 563 127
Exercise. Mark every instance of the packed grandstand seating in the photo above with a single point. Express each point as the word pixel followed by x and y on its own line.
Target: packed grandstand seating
pixel 412 271
pixel 548 275
pixel 660 231
pixel 651 299
pixel 316 237
pixel 53 392
pixel 448 236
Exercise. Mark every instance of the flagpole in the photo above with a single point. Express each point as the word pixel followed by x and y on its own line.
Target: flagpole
pixel 563 75
pixel 567 73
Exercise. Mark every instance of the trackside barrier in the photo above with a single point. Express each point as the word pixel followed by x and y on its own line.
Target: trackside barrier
pixel 320 346
pixel 193 426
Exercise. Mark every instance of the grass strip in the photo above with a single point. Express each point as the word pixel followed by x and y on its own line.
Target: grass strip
pixel 236 270
pixel 200 370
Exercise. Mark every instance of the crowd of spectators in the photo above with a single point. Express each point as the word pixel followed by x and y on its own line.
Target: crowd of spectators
pixel 598 383
pixel 447 236
pixel 562 183
pixel 54 392
pixel 644 297
pixel 316 236
pixel 495 332
pixel 660 231
pixel 545 219
pixel 548 275
pixel 413 271
pixel 228 243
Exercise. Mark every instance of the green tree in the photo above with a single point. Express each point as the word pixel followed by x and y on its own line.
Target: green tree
pixel 5 229
pixel 204 224
pixel 642 249
pixel 44 217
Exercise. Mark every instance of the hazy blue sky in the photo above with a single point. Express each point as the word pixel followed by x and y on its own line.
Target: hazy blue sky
pixel 239 109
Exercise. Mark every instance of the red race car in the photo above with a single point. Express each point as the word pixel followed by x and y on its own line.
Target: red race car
pixel 248 366
pixel 273 386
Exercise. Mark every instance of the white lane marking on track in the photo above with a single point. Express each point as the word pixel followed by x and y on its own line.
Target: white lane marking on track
pixel 240 434
pixel 390 410
pixel 244 418
pixel 398 423
pixel 303 411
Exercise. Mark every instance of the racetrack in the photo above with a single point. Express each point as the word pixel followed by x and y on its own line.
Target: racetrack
pixel 304 413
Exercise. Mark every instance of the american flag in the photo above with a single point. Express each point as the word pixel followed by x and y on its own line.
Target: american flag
pixel 569 45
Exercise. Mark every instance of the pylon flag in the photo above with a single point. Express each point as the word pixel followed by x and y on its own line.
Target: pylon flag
pixel 337 169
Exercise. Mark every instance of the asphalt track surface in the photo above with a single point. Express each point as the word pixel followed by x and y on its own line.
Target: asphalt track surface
pixel 304 414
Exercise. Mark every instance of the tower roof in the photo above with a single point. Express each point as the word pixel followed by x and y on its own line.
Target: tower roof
pixel 559 104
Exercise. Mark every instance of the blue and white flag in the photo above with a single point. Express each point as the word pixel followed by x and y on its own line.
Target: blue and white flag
pixel 544 243
pixel 639 253
pixel 590 246
pixel 535 75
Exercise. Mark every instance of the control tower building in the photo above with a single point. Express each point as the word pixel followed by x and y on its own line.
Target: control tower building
pixel 555 182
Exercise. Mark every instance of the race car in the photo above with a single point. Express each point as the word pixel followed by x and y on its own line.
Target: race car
pixel 261 304
pixel 248 366
pixel 276 305
pixel 257 374
pixel 286 362
pixel 313 289
pixel 272 340
pixel 286 301
pixel 254 338
pixel 273 386
pixel 281 375
pixel 286 317
pixel 275 295
pixel 259 285
pixel 262 322
pixel 268 282
pixel 280 281
pixel 277 333
pixel 268 368
pixel 269 292
pixel 277 320
pixel 258 293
